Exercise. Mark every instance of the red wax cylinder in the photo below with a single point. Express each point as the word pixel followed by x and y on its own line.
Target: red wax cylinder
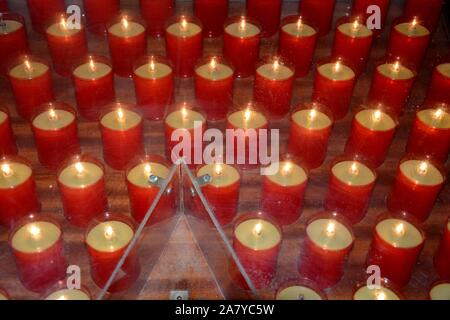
pixel 184 44
pixel 3 6
pixel 333 86
pixel 442 256
pixel 427 11
pixel 154 85
pixel 440 85
pixel 93 80
pixel 283 192
pixel 321 12
pixel 107 238
pixel 122 131
pixel 43 11
pixel 212 14
pixel 359 8
pixel 156 13
pixel 274 82
pixel 353 42
pixel 7 142
pixel 297 43
pixel 18 195
pixel 81 183
pixel 31 83
pixel 127 41
pixel 99 13
pixel 37 245
pixel 350 187
pixel 267 13
pixel 430 132
pixel 241 41
pixel 328 242
pixel 417 184
pixel 13 39
pixel 55 134
pixel 396 245
pixel 373 129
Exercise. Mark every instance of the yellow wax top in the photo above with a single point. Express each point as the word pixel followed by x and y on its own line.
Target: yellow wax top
pixel 133 29
pixel 444 69
pixel 328 70
pixel 407 29
pixel 289 174
pixel 87 72
pixel 268 237
pixel 421 172
pixel 428 116
pixel 395 72
pixel 375 120
pixel 337 239
pixel 10 26
pixel 68 294
pixel 189 30
pixel 294 30
pixel 219 72
pixel 113 121
pixel 255 120
pixel 53 119
pixel 35 237
pixel 3 117
pixel 272 72
pixel 160 70
pixel 22 72
pixel 311 119
pixel 3 297
pixel 353 173
pixel 235 30
pixel 399 233
pixel 184 119
pixel 440 292
pixel 298 293
pixel 19 174
pixel 58 30
pixel 139 174
pixel 71 176
pixel 364 293
pixel 109 236
pixel 361 31
pixel 222 175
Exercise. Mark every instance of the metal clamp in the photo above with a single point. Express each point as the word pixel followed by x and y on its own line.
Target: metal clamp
pixel 179 295
pixel 201 181
pixel 157 181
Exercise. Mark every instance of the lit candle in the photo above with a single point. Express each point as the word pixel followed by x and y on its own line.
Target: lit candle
pixel 99 13
pixel 440 291
pixel 7 143
pixel 360 9
pixel 267 14
pixel 13 38
pixel 300 290
pixel 386 291
pixel 41 12
pixel 63 293
pixel 310 8
pixel 156 14
pixel 440 85
pixel 442 256
pixel 428 12
pixel 212 15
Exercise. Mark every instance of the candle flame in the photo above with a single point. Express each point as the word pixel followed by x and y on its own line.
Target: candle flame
pixel 183 24
pixel 312 114
pixel 337 66
pixel 125 23
pixel 184 113
pixel 422 168
pixel 79 168
pixel 299 23
pixel 376 116
pixel 276 65
pixel 331 229
pixel 438 114
pixel 354 169
pixel 52 114
pixel 399 229
pixel 380 295
pixel 147 169
pixel 213 63
pixel 396 66
pixel 28 66
pixel 414 22
pixel 63 23
pixel 109 232
pixel 242 24
pixel 120 114
pixel 287 168
pixel 152 65
pixel 6 170
pixel 92 64
pixel 35 231
pixel 63 297
pixel 257 230
pixel 218 169
pixel 355 25
pixel 247 114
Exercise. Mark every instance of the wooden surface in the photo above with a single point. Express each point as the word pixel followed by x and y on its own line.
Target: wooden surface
pixel 181 264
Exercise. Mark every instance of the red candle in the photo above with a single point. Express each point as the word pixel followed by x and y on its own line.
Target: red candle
pixel 43 11
pixel 214 87
pixel 154 85
pixel 310 130
pixel 353 42
pixel 333 86
pixel 417 184
pixel 81 183
pixel 409 42
pixel 241 41
pixel 300 289
pixel 99 13
pixel 359 8
pixel 184 44
pixel 55 134
pixel 430 132
pixel 297 43
pixel 274 82
pixel 442 256
pixel 283 192
pixel 93 80
pixel 127 40
pixel 17 191
pixel 386 291
pixel 319 11
pixel 66 45
pixel 3 6
pixel 31 84
pixel 391 85
pixel 328 242
pixel 396 245
pixel 429 11
pixel 440 84
pixel 350 187
pixel 7 142
pixel 440 290
pixel 106 240
pixel 156 13
pixel 212 14
pixel 38 249
pixel 13 39
pixel 267 13
pixel 371 135
pixel 122 132
pixel 142 193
